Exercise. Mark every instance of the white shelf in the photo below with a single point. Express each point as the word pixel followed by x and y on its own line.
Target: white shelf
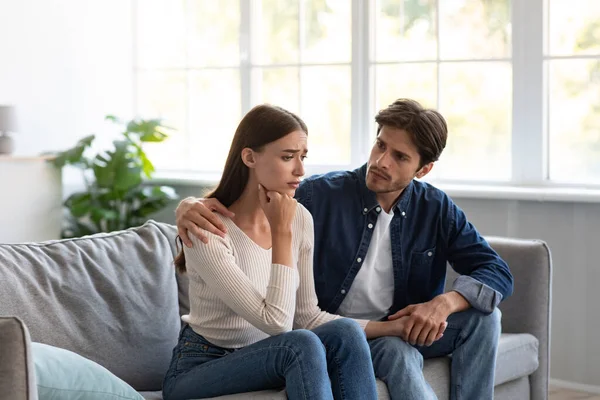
pixel 31 200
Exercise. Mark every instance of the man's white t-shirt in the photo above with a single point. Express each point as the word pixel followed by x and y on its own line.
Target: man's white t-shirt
pixel 372 292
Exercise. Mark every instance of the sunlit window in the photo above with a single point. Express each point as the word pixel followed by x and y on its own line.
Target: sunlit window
pixel 518 82
pixel 573 70
pixel 303 63
pixel 201 64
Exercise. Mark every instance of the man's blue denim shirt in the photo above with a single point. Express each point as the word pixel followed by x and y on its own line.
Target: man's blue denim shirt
pixel 427 231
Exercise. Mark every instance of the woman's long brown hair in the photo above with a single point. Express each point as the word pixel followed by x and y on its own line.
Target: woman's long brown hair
pixel 262 125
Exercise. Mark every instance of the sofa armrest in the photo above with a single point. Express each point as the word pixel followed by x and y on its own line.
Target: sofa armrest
pixel 528 309
pixel 17 373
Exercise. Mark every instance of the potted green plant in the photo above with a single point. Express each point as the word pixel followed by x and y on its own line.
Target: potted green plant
pixel 116 194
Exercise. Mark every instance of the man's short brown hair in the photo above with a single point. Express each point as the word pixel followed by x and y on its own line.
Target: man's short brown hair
pixel 426 127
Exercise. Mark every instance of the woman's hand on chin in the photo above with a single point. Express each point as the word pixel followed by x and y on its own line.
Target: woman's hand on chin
pixel 279 208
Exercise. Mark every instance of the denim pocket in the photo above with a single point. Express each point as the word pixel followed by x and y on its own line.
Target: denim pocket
pixel 423 257
pixel 419 277
pixel 194 350
pixel 189 348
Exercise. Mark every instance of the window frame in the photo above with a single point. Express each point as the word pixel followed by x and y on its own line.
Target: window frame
pixel 530 108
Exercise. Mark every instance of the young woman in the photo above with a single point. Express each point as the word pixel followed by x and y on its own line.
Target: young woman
pixel 254 322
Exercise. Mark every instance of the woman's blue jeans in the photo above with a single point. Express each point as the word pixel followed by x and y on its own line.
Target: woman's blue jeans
pixel 332 361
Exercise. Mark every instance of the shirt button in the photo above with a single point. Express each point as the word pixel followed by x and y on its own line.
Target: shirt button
pixel 359 259
pixel 378 209
pixel 365 210
pixel 403 214
pixel 429 254
pixel 343 291
pixel 370 226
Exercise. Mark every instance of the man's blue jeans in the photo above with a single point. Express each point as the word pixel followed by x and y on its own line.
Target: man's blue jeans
pixel 331 361
pixel 472 339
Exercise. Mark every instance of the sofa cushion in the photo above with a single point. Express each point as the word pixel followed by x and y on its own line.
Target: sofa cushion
pixel 517 356
pixel 112 298
pixel 64 375
pixel 157 395
pixel 437 373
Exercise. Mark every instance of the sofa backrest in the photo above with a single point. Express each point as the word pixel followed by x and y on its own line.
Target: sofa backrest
pixel 112 298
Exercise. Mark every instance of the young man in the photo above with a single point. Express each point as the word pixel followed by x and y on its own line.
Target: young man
pixel 382 242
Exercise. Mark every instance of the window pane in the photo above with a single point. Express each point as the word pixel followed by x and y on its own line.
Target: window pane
pixel 162 95
pixel 215 112
pixel 475 29
pixel 476 100
pixel 405 30
pixel 325 107
pixel 213 32
pixel 279 86
pixel 574 120
pixel 415 81
pixel 574 27
pixel 327 33
pixel 277 32
pixel 160 33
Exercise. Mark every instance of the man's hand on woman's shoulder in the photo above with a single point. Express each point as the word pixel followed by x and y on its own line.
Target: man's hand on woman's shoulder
pixel 193 214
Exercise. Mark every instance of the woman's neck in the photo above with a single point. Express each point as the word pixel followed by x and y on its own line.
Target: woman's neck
pixel 247 209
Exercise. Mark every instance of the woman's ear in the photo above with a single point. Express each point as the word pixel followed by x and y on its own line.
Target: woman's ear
pixel 248 157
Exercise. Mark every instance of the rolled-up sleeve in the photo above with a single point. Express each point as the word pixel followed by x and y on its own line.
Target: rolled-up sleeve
pixel 479 295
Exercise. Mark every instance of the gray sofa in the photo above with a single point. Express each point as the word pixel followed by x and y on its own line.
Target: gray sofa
pixel 115 299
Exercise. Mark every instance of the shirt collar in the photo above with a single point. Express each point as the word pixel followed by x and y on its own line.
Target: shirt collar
pixel 369 201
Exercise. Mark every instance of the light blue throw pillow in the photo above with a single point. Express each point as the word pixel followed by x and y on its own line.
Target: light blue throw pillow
pixel 64 375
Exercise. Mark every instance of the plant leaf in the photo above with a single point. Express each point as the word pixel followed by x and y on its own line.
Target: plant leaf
pixel 156 136
pixel 150 130
pixel 79 204
pixel 99 214
pixel 152 199
pixel 112 118
pixel 147 165
pixel 74 156
pixel 116 196
pixel 119 169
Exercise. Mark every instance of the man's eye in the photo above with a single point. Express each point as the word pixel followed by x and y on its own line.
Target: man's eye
pixel 287 158
pixel 380 145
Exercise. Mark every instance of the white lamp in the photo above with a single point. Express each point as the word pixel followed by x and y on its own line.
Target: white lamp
pixel 8 123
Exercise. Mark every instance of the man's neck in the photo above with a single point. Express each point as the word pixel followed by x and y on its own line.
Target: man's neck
pixel 388 200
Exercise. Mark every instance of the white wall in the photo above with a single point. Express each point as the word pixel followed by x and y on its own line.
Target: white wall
pixel 64 64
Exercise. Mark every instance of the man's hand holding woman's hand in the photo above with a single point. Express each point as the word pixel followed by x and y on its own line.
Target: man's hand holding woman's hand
pixel 402 327
pixel 424 322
